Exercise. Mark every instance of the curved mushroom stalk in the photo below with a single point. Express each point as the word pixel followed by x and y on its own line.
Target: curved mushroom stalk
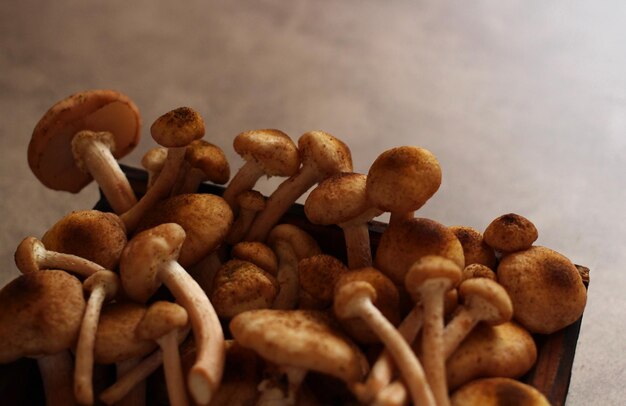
pixel 56 373
pixel 148 260
pixel 131 378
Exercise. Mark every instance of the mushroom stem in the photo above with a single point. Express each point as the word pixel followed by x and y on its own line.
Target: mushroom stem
pixel 126 382
pixel 192 181
pixel 287 276
pixel 457 329
pixel 175 382
pixel 245 179
pixel 56 374
pixel 137 395
pixel 358 247
pixel 393 394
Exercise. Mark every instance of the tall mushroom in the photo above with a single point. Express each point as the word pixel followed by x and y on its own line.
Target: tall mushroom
pixel 322 156
pixel 80 138
pixel 149 260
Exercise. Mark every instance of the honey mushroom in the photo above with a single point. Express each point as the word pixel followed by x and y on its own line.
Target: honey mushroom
pixel 475 249
pixel 40 315
pixel 149 260
pixel 249 204
pixel 79 139
pixel 478 271
pixel 497 391
pixel 298 341
pixel 203 162
pixel 153 161
pixel 266 153
pixel 317 276
pixel 102 286
pixel 510 232
pixel 322 156
pixel 341 199
pixel 258 253
pixel 162 323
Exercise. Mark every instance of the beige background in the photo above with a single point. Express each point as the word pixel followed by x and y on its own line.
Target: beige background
pixel 523 102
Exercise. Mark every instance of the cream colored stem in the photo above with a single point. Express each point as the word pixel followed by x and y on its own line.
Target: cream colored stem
pixel 70 263
pixel 287 276
pixel 432 345
pixel 180 178
pixel 193 180
pixel 206 373
pixel 56 373
pixel 126 382
pixel 245 179
pixel 137 395
pixel 83 373
pixel 176 391
pixel 295 377
pixel 358 245
pixel 457 329
pixel 393 394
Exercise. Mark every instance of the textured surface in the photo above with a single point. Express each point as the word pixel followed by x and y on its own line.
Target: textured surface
pixel 523 103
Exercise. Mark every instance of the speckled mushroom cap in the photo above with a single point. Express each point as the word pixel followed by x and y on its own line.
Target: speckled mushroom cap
pixel 50 152
pixel 319 274
pixel 161 318
pixel 475 249
pixel 258 253
pixel 40 314
pixel 427 268
pixel 510 232
pixel 497 391
pixel 206 219
pixel 301 338
pixel 402 179
pixel 478 271
pixel 177 128
pixel 330 154
pixel 116 340
pixel 91 234
pixel 210 159
pixel 490 297
pixel 545 287
pixel 405 242
pixel 271 149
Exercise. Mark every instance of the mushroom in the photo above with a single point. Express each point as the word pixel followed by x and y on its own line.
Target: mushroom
pixel 102 286
pixel 153 162
pixel 203 161
pixel 258 253
pixel 475 249
pixel 402 179
pixel 266 152
pixel 510 232
pixel 162 323
pixel 505 350
pixel 91 234
pixel 79 139
pixel 427 281
pixel 322 156
pixel 342 200
pixel 148 260
pixel 40 315
pixel 298 341
pixel 318 275
pixel 545 287
pixel 31 256
pixel 249 203
pixel 478 271
pixel 355 299
pixel 500 391
pixel 240 286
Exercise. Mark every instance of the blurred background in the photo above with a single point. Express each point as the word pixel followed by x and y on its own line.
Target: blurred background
pixel 523 103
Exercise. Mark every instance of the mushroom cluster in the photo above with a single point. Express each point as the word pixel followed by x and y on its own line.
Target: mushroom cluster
pixel 224 300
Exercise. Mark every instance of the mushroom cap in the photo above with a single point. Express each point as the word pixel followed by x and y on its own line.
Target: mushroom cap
pixel 510 232
pixel 27 254
pixel 347 293
pixel 251 200
pixel 475 249
pixel 210 159
pixel 240 286
pixel 206 219
pixel 272 150
pixel 143 256
pixel 154 159
pixel 428 268
pixel 319 274
pixel 404 242
pixel 305 339
pixel 490 297
pixel 478 271
pixel 116 340
pixel 545 287
pixel 40 314
pixel 303 244
pixel 50 152
pixel 258 253
pixel 402 179
pixel 91 234
pixel 177 128
pixel 161 318
pixel 497 391
pixel 329 154
pixel 105 278
pixel 506 350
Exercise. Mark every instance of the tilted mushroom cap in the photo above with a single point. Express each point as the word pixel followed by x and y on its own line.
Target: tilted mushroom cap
pixel 272 150
pixel 510 232
pixel 116 340
pixel 50 152
pixel 258 253
pixel 301 338
pixel 160 319
pixel 475 249
pixel 330 154
pixel 40 314
pixel 210 159
pixel 405 242
pixel 177 128
pixel 206 219
pixel 478 271
pixel 545 287
pixel 91 234
pixel 490 297
pixel 497 391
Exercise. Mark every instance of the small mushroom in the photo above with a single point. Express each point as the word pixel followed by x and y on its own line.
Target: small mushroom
pixel 322 156
pixel 258 253
pixel 148 260
pixel 510 232
pixel 475 249
pixel 478 271
pixel 498 391
pixel 342 200
pixel 162 323
pixel 249 203
pixel 203 161
pixel 318 275
pixel 153 162
pixel 80 138
pixel 298 341
pixel 427 281
pixel 402 179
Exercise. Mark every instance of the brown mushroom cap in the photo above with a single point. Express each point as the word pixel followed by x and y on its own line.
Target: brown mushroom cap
pixel 160 319
pixel 428 268
pixel 497 391
pixel 40 314
pixel 510 232
pixel 301 338
pixel 258 253
pixel 478 271
pixel 545 287
pixel 488 296
pixel 50 152
pixel 319 274
pixel 210 159
pixel 273 150
pixel 475 249
pixel 91 234
pixel 178 128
